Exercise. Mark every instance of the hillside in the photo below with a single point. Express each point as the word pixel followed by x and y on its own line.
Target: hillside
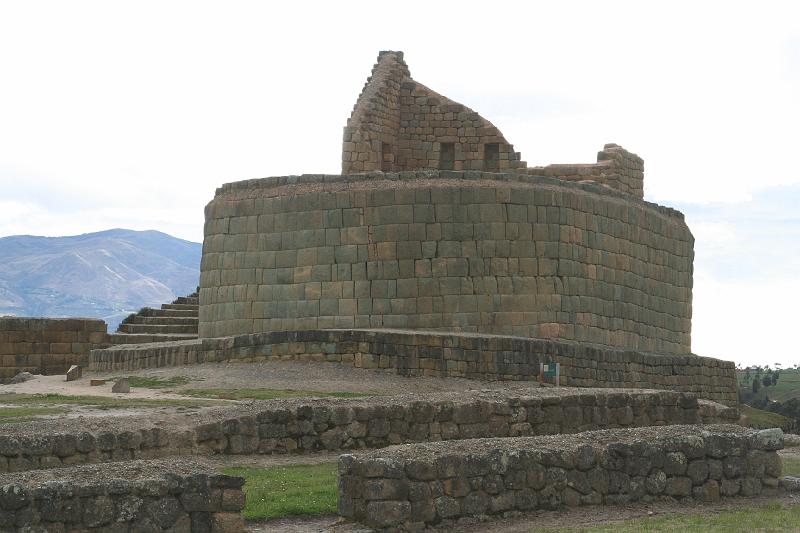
pixel 107 274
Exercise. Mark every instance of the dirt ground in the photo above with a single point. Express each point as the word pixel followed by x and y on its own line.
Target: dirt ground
pixel 311 376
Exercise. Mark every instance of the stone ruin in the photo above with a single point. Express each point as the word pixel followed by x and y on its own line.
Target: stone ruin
pixel 438 252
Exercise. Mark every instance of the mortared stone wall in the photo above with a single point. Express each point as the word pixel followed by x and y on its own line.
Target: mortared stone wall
pixel 508 254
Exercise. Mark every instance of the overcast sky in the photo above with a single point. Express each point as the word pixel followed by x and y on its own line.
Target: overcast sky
pixel 130 114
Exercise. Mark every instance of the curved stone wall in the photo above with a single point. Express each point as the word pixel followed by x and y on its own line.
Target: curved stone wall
pixel 443 250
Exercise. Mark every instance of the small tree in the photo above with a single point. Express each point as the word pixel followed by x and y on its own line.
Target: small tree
pixel 766 380
pixel 756 386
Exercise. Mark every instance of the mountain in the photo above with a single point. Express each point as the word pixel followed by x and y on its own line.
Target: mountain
pixel 107 274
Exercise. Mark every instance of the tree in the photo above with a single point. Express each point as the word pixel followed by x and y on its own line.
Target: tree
pixel 756 386
pixel 766 380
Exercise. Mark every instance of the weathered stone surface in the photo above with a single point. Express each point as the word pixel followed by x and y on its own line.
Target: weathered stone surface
pixel 122 385
pixel 769 439
pixel 74 373
pixel 22 377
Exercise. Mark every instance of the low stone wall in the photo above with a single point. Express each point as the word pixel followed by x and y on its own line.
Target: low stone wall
pixel 408 487
pixel 616 168
pixel 47 345
pixel 473 356
pixel 135 496
pixel 333 424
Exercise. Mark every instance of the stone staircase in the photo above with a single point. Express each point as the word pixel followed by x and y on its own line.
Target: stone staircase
pixel 176 321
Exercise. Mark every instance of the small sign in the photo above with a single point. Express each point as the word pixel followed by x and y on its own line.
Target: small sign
pixel 550 373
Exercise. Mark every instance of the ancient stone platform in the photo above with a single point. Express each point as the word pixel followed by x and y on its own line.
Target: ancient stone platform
pixel 408 487
pixel 417 353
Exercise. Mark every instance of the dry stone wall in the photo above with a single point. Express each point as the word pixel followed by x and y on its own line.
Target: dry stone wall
pixel 399 124
pixel 301 426
pixel 47 345
pixel 458 251
pixel 405 488
pixel 135 496
pixel 416 353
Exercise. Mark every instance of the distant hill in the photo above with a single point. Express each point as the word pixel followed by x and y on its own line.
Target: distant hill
pixel 107 274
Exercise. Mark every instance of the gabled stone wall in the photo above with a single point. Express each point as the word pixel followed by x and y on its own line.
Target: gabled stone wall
pixel 399 124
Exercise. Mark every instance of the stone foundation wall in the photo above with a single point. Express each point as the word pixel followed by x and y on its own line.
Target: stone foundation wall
pixel 293 426
pixel 135 496
pixel 409 487
pixel 480 252
pixel 47 345
pixel 417 353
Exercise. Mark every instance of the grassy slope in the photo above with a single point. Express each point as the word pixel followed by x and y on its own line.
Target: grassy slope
pixel 788 386
pixel 764 419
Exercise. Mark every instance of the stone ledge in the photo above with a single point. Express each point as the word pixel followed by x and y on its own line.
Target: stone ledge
pixel 408 487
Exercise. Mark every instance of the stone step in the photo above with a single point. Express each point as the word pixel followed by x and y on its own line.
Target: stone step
pixel 190 300
pixel 184 307
pixel 158 328
pixel 166 320
pixel 141 338
pixel 187 313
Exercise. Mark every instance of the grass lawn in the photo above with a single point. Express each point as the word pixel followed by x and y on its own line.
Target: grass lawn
pixel 771 517
pixel 264 394
pixel 764 419
pixel 24 414
pixel 289 490
pixel 10 401
pixel 791 466
pixel 156 382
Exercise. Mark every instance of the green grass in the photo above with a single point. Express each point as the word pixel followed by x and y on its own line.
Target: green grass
pixel 24 414
pixel 771 517
pixel 157 382
pixel 101 402
pixel 791 466
pixel 287 491
pixel 264 394
pixel 764 419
